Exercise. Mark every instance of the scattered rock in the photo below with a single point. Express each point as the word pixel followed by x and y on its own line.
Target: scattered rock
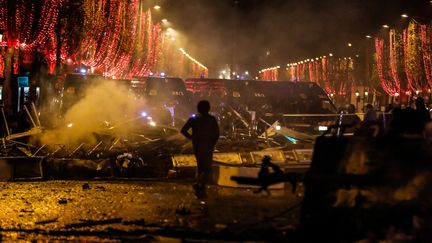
pixel 85 186
pixel 62 201
pixel 26 210
pixel 47 221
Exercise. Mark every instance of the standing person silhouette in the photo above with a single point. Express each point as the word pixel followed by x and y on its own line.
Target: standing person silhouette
pixel 205 134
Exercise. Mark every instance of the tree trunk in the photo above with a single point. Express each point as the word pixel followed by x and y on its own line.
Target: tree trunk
pixel 7 86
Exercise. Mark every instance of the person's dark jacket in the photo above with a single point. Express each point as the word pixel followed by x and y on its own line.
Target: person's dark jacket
pixel 205 130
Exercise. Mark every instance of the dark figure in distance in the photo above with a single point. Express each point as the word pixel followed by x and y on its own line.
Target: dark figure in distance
pixel 205 134
pixel 353 119
pixel 370 114
pixel 421 109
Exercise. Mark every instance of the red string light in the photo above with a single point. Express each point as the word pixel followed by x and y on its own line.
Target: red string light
pixel 383 73
pixel 426 38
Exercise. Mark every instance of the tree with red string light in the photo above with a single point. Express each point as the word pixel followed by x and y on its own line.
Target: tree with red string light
pixel 426 40
pixel 396 58
pixel 413 57
pixel 26 26
pixel 383 68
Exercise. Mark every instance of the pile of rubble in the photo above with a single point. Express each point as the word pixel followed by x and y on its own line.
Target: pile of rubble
pixel 147 150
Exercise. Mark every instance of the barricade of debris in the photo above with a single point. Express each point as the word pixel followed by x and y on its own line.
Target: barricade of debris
pixel 145 150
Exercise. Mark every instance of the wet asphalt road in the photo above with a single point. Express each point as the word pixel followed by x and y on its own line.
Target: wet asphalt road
pixel 138 210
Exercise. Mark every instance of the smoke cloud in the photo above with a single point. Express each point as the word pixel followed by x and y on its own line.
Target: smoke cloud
pixel 104 105
pixel 243 31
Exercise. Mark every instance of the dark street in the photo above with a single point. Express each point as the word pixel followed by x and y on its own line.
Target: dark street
pixel 137 210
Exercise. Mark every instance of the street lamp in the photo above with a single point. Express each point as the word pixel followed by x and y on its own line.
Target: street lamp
pixel 368 36
pixel 157 7
pixel 164 21
pixel 357 94
pixel 366 96
pixel 349 44
pixel 385 26
pixel 404 16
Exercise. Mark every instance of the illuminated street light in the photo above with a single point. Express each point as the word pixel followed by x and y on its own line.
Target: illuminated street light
pixel 368 36
pixel 349 44
pixel 357 94
pixel 385 26
pixel 157 7
pixel 404 16
pixel 164 20
pixel 366 93
pixel 330 54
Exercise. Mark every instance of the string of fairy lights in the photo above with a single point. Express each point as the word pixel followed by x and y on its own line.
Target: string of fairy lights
pixel 28 28
pixel 118 38
pixel 192 59
pixel 402 63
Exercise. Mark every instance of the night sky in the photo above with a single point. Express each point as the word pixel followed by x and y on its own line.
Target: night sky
pixel 264 33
